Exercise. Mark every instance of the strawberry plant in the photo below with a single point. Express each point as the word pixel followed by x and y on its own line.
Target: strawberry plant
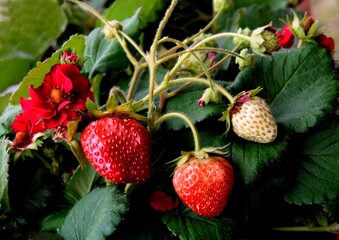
pixel 167 120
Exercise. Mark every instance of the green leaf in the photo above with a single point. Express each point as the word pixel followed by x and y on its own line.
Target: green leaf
pixel 36 76
pixel 4 158
pixel 316 178
pixel 4 100
pixel 54 221
pixel 80 183
pixel 253 158
pixel 186 102
pixel 299 85
pixel 105 55
pixel 95 216
pixel 28 28
pixel 122 9
pixel 191 226
pixel 263 15
pixel 7 118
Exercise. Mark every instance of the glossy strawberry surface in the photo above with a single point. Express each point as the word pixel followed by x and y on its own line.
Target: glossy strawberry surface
pixel 204 185
pixel 119 149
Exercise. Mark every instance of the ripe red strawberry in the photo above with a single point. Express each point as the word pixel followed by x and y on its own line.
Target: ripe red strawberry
pixel 204 185
pixel 252 120
pixel 119 149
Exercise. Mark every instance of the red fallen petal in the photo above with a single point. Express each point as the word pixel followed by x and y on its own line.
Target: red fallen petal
pixel 160 201
pixel 285 37
pixel 325 42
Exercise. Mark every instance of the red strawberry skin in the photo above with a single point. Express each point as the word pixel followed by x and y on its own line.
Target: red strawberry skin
pixel 119 149
pixel 204 185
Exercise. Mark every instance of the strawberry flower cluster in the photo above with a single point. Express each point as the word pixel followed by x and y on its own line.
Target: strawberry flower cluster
pixel 306 29
pixel 268 39
pixel 60 98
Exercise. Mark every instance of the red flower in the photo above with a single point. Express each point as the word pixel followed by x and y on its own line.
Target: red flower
pixel 60 98
pixel 325 42
pixel 285 37
pixel 25 130
pixel 160 201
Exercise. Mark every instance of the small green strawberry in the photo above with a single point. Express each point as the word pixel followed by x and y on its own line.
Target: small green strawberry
pixel 119 149
pixel 205 184
pixel 252 120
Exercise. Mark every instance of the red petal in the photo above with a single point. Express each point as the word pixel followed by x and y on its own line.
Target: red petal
pixel 285 37
pixel 325 42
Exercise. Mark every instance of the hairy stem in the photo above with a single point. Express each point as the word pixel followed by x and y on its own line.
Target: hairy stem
pixel 151 59
pixel 333 228
pixel 187 120
pixel 108 25
pixel 187 80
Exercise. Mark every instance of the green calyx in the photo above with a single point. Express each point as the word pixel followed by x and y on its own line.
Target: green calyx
pixel 116 105
pixel 201 154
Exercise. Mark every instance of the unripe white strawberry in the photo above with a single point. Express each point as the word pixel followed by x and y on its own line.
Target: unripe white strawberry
pixel 253 121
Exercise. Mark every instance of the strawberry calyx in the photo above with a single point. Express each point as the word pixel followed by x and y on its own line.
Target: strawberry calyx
pixel 117 106
pixel 234 106
pixel 201 154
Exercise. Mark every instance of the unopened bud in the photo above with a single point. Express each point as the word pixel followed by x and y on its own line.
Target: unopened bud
pixel 242 43
pixel 107 30
pixel 245 60
pixel 210 95
pixel 68 57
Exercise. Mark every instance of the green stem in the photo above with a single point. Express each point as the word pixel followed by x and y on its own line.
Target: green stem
pixel 133 81
pixel 222 35
pixel 117 92
pixel 187 120
pixel 203 81
pixel 334 228
pixel 151 59
pixel 192 80
pixel 142 53
pixel 208 26
pixel 215 36
pixel 111 28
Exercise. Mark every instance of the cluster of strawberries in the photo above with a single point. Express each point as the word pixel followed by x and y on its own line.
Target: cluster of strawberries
pixel 119 148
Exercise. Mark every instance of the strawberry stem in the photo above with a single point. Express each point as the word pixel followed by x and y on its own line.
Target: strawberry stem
pixel 152 63
pixel 187 120
pixel 333 228
pixel 186 80
pixel 112 29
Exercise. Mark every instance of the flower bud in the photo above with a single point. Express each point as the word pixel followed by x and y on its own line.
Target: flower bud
pixel 210 95
pixel 68 57
pixel 246 60
pixel 305 28
pixel 241 42
pixel 107 30
pixel 264 40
